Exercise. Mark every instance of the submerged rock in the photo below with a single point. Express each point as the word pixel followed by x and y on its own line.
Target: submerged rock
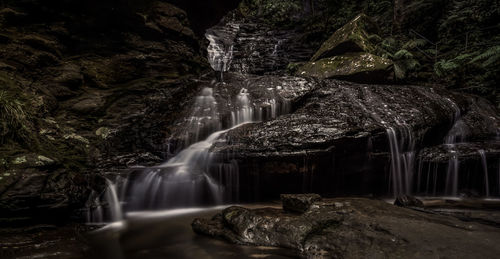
pixel 353 228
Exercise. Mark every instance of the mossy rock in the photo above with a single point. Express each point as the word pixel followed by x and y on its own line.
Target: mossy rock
pixel 358 67
pixel 352 37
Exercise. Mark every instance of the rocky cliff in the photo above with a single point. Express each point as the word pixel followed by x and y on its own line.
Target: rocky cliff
pixel 83 86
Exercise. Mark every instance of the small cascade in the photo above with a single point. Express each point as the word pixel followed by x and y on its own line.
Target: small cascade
pixel 113 202
pixel 221 47
pixel 452 177
pixel 194 176
pixel 204 118
pixel 244 108
pixel 106 207
pixel 482 154
pixel 402 160
pixel 455 135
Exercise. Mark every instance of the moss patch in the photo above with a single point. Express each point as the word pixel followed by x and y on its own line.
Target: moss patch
pixel 350 64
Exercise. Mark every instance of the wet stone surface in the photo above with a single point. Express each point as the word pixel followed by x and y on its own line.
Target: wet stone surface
pixel 354 228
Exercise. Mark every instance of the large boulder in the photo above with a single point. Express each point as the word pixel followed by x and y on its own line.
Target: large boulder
pixel 348 54
pixel 358 67
pixel 298 202
pixel 352 37
pixel 353 228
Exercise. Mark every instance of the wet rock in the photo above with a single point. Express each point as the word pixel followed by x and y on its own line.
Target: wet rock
pixel 462 151
pixel 88 104
pixel 338 134
pixel 408 201
pixel 258 48
pixel 358 67
pixel 71 76
pixel 167 17
pixel 352 37
pixel 298 202
pixel 353 228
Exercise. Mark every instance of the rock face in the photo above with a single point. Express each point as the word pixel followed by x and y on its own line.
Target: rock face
pixel 66 73
pixel 353 228
pixel 259 48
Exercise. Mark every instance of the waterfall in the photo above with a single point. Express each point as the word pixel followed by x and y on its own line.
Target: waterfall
pixel 455 134
pixel 244 109
pixel 221 46
pixel 183 181
pixel 402 160
pixel 204 118
pixel 105 208
pixel 482 154
pixel 113 202
pixel 452 177
pixel 194 176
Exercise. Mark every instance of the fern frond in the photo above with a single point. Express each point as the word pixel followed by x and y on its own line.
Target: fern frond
pixel 491 56
pixel 403 54
pixel 411 44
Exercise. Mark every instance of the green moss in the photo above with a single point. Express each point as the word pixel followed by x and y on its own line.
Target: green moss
pixel 345 65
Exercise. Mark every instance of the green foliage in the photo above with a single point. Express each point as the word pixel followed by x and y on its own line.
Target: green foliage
pixel 405 61
pixel 488 58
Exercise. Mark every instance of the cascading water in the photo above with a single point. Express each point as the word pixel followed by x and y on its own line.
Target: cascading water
pixel 105 208
pixel 452 176
pixel 484 164
pixel 456 134
pixel 244 110
pixel 221 47
pixel 204 119
pixel 192 177
pixel 402 160
pixel 183 181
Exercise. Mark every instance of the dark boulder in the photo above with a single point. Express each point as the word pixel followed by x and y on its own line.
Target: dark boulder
pixel 298 202
pixel 408 201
